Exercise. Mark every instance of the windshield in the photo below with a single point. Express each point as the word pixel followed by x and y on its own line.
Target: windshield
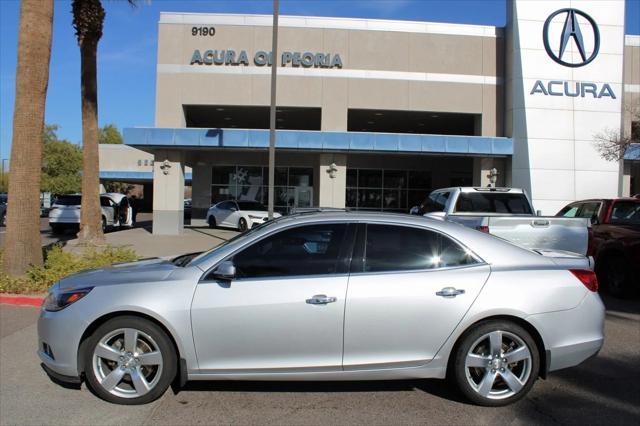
pixel 244 235
pixel 625 213
pixel 69 200
pixel 251 205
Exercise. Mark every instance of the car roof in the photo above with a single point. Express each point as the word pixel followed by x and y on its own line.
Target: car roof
pixel 483 189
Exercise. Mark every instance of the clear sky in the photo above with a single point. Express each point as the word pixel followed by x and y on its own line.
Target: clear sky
pixel 127 51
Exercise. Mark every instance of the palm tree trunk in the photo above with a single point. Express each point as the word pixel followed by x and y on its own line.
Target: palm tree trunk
pixel 91 213
pixel 23 246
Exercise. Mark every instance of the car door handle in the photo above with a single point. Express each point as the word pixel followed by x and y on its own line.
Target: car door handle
pixel 321 299
pixel 449 292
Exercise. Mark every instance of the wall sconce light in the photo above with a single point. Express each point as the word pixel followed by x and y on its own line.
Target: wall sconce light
pixel 332 170
pixel 165 167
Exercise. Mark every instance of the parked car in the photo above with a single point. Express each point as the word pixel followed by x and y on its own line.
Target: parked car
pixel 3 209
pixel 241 215
pixel 327 296
pixel 616 242
pixel 509 214
pixel 65 212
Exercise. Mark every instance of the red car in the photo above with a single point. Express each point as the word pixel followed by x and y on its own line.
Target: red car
pixel 616 241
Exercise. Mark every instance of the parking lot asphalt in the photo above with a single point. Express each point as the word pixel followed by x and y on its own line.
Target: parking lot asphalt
pixel 603 390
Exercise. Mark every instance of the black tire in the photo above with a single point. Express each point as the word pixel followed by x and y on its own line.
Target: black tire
pixel 160 339
pixel 463 376
pixel 615 275
pixel 211 221
pixel 104 224
pixel 242 224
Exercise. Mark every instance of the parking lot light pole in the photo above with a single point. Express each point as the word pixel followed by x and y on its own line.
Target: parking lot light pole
pixel 272 111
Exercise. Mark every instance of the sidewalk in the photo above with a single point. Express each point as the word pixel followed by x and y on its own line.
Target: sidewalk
pixel 145 244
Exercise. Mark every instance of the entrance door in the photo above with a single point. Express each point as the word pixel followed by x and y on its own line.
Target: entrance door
pixel 283 310
pixel 394 314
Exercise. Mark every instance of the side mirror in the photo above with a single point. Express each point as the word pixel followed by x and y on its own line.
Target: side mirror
pixel 414 210
pixel 595 221
pixel 225 271
pixel 233 209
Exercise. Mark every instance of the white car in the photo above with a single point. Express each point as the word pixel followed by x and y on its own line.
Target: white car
pixel 241 215
pixel 65 211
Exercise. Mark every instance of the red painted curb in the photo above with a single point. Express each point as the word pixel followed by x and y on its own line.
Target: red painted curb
pixel 21 300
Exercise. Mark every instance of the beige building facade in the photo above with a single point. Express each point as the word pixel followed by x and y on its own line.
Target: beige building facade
pixel 372 114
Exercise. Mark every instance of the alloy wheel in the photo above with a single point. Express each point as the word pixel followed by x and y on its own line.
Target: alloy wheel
pixel 498 365
pixel 127 363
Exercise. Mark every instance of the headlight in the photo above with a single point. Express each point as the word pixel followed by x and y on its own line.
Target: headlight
pixel 251 216
pixel 56 301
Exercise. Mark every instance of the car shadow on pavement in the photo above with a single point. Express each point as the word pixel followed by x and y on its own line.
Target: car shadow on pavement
pixel 435 387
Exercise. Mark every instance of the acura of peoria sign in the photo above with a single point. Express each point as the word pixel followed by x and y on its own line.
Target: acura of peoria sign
pixel 262 58
pixel 572 32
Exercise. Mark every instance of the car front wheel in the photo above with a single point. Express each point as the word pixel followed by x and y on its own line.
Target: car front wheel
pixel 211 222
pixel 496 363
pixel 242 224
pixel 129 360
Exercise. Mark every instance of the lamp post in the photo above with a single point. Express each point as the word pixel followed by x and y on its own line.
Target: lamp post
pixel 272 110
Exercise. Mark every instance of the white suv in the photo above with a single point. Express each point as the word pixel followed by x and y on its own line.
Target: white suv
pixel 65 211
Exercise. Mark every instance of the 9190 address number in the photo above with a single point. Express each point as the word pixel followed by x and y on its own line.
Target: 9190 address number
pixel 203 31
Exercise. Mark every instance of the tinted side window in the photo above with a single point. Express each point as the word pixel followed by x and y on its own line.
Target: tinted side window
pixel 589 211
pixel 397 248
pixel 625 213
pixel 569 211
pixel 305 250
pixel 493 203
pixel 226 205
pixel 435 202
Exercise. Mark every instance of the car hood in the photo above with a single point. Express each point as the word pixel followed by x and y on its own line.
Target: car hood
pixel 141 271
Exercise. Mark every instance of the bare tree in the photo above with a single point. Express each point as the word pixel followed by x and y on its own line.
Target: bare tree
pixel 612 144
pixel 23 246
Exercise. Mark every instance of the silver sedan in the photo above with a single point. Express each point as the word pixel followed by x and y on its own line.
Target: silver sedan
pixel 328 296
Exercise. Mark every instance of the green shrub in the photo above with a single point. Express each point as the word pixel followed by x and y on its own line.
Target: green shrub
pixel 59 264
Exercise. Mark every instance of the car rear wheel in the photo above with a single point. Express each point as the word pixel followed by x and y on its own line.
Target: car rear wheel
pixel 129 360
pixel 496 363
pixel 211 221
pixel 104 224
pixel 242 224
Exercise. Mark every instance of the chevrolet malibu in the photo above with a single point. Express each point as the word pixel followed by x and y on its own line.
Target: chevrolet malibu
pixel 327 296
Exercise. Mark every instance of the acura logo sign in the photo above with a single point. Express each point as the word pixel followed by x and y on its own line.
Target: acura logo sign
pixel 571 31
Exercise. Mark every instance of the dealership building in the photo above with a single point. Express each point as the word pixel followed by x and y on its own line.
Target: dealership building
pixel 374 114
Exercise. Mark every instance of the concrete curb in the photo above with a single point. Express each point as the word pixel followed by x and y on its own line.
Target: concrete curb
pixel 13 299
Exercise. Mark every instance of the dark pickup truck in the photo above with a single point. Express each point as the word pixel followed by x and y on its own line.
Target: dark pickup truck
pixel 616 241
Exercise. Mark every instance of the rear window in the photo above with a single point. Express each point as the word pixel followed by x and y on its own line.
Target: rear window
pixel 435 202
pixel 625 213
pixel 69 200
pixel 493 202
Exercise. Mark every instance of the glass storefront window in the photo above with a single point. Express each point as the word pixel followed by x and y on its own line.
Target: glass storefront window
pixel 386 190
pixel 293 185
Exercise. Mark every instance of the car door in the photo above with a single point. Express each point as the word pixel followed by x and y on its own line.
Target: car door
pixel 222 212
pixel 284 309
pixel 408 290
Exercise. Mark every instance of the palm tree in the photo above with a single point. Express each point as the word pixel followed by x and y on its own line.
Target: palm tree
pixel 23 246
pixel 88 19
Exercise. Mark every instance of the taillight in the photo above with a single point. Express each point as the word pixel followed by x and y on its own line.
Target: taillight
pixel 590 243
pixel 483 228
pixel 586 277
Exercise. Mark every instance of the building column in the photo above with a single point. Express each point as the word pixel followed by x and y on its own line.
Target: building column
pixel 168 194
pixel 332 180
pixel 626 179
pixel 201 193
pixel 482 167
